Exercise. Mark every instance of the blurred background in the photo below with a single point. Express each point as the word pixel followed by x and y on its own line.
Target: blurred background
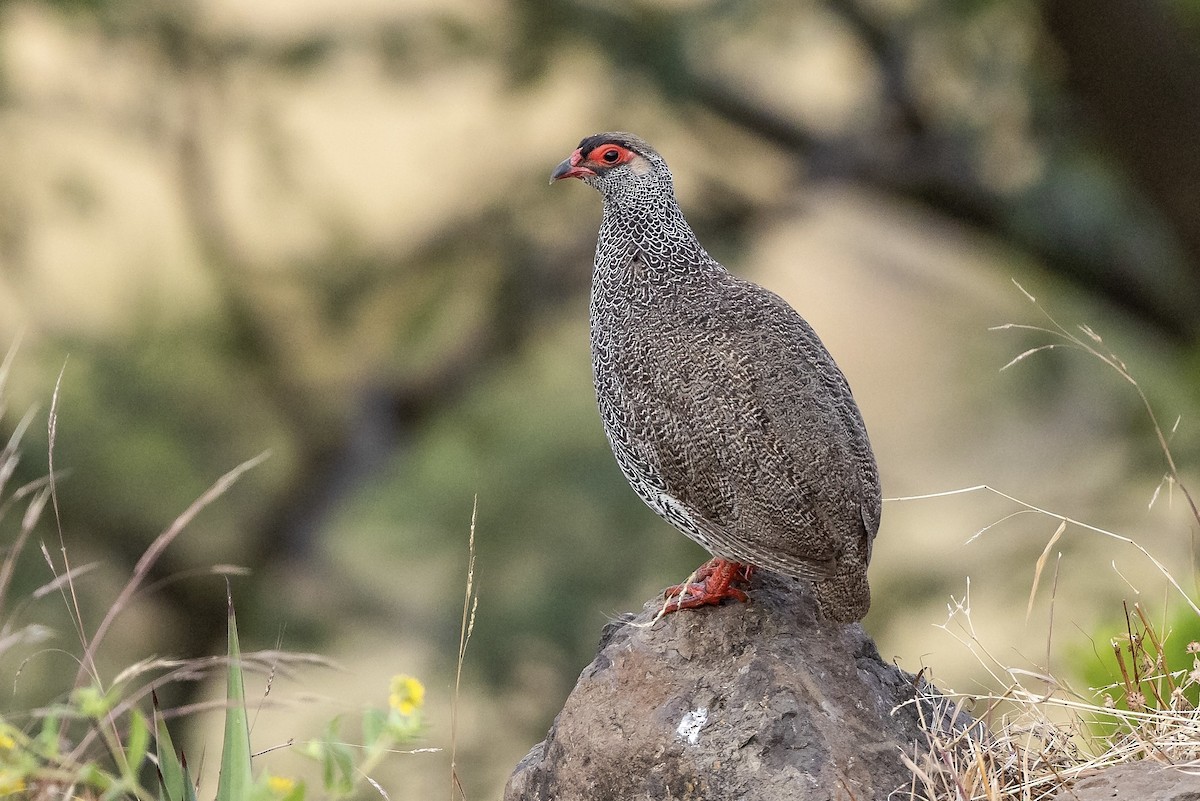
pixel 323 229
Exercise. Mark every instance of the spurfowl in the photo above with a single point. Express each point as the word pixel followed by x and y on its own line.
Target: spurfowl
pixel 724 410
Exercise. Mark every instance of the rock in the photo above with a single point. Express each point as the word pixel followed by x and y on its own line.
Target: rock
pixel 1135 781
pixel 759 701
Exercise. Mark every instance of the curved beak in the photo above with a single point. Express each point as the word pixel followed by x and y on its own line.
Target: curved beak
pixel 570 167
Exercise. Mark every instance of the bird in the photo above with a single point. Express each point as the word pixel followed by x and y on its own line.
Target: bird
pixel 724 410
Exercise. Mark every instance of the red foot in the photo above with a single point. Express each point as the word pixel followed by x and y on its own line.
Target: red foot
pixel 713 585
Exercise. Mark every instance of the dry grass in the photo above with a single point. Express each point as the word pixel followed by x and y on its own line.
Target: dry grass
pixel 1030 743
pixel 470 603
pixel 1037 736
pixel 64 750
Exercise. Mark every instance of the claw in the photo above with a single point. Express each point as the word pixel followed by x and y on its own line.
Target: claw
pixel 712 586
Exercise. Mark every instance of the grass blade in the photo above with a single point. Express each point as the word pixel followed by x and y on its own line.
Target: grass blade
pixel 170 769
pixel 138 745
pixel 189 786
pixel 236 779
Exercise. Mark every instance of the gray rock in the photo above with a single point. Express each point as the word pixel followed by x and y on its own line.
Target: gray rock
pixel 1136 781
pixel 759 701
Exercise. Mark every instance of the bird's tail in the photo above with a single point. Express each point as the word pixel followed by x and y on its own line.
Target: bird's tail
pixel 845 597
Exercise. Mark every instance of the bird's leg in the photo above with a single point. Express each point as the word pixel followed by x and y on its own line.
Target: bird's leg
pixel 714 580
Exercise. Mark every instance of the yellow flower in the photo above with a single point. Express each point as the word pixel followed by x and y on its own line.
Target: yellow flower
pixel 7 743
pixel 11 782
pixel 407 694
pixel 278 785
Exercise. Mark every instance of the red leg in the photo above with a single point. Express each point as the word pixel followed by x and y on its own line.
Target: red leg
pixel 714 580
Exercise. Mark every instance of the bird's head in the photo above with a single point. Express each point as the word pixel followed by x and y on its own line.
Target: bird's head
pixel 619 165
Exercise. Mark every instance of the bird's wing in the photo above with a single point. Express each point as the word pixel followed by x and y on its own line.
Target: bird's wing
pixel 755 433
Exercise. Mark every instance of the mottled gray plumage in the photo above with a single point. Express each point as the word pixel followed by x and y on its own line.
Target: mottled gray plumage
pixel 724 410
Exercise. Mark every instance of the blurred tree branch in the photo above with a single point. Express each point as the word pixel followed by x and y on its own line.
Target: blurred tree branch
pixel 909 156
pixel 1137 79
pixel 336 448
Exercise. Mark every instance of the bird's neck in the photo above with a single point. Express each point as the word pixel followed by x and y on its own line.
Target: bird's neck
pixel 654 230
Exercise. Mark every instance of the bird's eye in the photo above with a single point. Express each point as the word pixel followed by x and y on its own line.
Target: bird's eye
pixel 610 156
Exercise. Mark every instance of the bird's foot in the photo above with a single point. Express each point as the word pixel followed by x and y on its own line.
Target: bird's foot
pixel 712 585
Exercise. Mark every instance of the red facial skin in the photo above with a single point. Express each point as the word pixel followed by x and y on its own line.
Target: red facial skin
pixel 599 158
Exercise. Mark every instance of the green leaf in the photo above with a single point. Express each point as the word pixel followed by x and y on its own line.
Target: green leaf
pixel 92 776
pixel 337 763
pixel 48 738
pixel 91 702
pixel 236 778
pixel 170 770
pixel 373 725
pixel 119 790
pixel 139 743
